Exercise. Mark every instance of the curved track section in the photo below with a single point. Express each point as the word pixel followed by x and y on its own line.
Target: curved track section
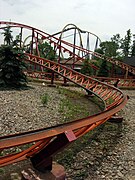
pixel 81 38
pixel 117 82
pixel 48 138
pixel 48 141
pixel 78 37
pixel 63 49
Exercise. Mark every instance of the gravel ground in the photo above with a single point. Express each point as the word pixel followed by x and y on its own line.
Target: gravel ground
pixel 23 110
pixel 109 153
pixel 120 162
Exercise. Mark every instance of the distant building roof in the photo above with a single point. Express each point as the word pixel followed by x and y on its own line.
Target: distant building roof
pixel 77 63
pixel 71 61
pixel 130 61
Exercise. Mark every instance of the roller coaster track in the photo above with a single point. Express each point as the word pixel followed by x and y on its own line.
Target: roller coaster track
pixel 118 82
pixel 87 50
pixel 62 47
pixel 91 41
pixel 111 60
pixel 46 142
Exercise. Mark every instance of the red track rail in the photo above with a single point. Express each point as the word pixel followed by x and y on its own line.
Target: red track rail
pixel 62 47
pixel 119 82
pixel 48 136
pixel 49 141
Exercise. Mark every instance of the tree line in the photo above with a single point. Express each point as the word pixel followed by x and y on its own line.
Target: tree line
pixel 12 55
pixel 117 48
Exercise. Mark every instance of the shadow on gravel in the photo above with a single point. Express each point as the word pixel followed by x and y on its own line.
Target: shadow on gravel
pixel 16 88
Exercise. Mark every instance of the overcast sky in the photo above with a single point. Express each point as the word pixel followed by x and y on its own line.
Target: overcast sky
pixel 105 18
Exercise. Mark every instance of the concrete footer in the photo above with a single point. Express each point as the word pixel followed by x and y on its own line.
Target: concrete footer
pixel 57 173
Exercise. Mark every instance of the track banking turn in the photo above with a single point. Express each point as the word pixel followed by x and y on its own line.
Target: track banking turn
pixel 46 142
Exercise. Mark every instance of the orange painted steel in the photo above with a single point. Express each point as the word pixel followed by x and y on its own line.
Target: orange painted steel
pixel 61 47
pixel 114 100
pixel 47 76
pixel 79 127
pixel 122 82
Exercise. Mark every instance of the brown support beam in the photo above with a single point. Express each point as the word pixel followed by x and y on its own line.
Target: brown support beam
pixel 116 83
pixel 65 82
pixel 126 75
pixel 32 41
pixel 42 161
pixel 52 78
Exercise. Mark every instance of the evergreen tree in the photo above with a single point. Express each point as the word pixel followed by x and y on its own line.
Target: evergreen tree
pixel 133 47
pixel 7 35
pixel 11 63
pixel 126 44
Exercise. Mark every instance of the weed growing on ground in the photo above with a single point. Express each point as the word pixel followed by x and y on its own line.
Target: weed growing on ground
pixel 1 170
pixel 44 99
pixel 71 107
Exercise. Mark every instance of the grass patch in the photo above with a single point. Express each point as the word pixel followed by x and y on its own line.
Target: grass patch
pixel 74 105
pixel 44 99
pixel 102 139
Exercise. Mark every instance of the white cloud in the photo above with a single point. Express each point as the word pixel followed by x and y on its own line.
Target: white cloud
pixel 104 18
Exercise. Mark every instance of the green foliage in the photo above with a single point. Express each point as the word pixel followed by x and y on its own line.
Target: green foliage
pixel 70 106
pixel 109 48
pixel 1 170
pixel 7 35
pixel 104 69
pixel 16 42
pixel 46 51
pixel 116 48
pixel 126 44
pixel 98 61
pixel 11 67
pixel 87 69
pixel 117 39
pixel 110 101
pixel 11 63
pixel 44 99
pixel 133 48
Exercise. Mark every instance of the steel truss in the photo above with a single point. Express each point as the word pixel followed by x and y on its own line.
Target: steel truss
pixel 48 141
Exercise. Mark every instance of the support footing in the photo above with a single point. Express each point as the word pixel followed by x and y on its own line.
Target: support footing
pixel 116 119
pixel 51 85
pixel 57 173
